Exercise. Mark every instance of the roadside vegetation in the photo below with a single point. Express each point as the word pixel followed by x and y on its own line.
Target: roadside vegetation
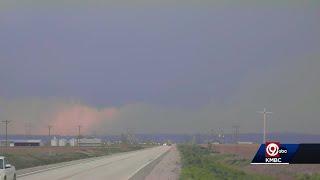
pixel 27 157
pixel 199 163
pixel 308 176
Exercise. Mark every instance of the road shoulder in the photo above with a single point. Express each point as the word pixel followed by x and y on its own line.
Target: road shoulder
pixel 168 168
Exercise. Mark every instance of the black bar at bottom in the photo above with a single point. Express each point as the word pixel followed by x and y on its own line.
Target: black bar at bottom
pixel 307 154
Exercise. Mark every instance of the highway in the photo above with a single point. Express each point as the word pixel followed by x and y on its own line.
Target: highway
pixel 119 167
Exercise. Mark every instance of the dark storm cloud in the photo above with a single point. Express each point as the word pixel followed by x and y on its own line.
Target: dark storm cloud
pixel 172 64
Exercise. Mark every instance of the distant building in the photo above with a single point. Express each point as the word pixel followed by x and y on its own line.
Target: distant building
pixel 3 143
pixel 90 142
pixel 243 142
pixel 54 141
pixel 22 143
pixel 108 143
pixel 73 142
pixel 62 142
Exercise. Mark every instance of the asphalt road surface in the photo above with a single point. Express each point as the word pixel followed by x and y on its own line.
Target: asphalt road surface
pixel 118 167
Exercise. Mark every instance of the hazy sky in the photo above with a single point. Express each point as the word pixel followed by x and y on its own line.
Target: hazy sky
pixel 159 66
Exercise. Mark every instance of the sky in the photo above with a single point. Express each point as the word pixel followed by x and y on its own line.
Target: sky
pixel 159 66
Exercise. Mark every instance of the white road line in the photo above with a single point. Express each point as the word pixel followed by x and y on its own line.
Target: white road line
pixel 75 162
pixel 146 164
pixel 54 167
pixel 96 169
pixel 267 163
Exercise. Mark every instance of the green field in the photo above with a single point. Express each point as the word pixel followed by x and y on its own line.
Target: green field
pixel 200 164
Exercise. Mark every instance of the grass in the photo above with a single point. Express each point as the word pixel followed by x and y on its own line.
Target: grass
pixel 199 163
pixel 308 176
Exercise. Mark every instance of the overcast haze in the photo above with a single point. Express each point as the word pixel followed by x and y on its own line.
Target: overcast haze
pixel 180 67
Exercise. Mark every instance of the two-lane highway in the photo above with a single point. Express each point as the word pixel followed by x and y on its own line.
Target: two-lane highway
pixel 118 167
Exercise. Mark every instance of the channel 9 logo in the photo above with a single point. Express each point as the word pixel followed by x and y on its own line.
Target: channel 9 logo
pixel 272 149
pixel 274 152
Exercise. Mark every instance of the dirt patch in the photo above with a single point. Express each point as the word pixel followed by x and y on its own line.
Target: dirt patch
pixel 168 168
pixel 246 151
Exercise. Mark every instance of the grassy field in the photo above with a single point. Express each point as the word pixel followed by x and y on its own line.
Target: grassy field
pixel 25 157
pixel 227 161
pixel 198 163
pixel 285 172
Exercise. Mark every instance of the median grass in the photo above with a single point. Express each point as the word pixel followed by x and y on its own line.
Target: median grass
pixel 199 163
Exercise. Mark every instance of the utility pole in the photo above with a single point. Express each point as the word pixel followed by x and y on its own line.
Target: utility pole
pixel 49 129
pixel 214 136
pixel 49 133
pixel 79 134
pixel 28 126
pixel 264 113
pixel 235 133
pixel 221 136
pixel 6 122
pixel 211 138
